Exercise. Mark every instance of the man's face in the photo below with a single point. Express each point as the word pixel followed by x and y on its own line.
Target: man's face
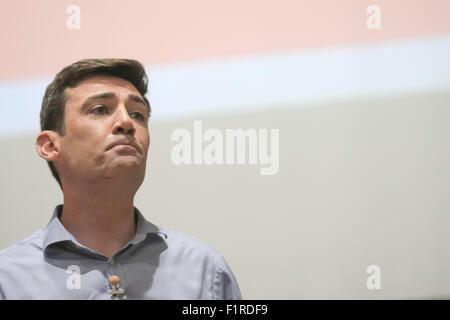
pixel 106 131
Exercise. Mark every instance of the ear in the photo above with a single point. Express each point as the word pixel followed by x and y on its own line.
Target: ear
pixel 48 145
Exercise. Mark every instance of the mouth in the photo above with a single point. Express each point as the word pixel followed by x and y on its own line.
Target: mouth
pixel 124 146
pixel 128 146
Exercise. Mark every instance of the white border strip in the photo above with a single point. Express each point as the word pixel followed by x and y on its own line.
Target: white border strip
pixel 253 82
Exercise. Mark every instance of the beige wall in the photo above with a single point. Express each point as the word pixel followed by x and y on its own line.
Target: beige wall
pixel 361 182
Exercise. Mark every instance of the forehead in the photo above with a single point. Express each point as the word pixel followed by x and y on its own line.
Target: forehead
pixel 97 84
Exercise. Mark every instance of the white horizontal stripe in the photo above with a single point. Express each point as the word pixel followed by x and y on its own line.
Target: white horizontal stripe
pixel 252 82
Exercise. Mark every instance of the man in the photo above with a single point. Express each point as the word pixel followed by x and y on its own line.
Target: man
pixel 97 245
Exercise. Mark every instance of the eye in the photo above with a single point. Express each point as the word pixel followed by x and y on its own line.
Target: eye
pixel 100 110
pixel 137 115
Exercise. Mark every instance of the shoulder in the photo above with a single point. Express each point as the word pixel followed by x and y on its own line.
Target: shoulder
pixel 187 244
pixel 197 257
pixel 188 250
pixel 22 249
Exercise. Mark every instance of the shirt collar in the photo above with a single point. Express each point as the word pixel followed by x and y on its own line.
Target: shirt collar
pixel 56 232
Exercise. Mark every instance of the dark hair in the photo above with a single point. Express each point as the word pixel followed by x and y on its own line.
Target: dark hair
pixel 54 101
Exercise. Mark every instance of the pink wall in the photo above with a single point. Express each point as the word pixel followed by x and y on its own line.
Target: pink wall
pixel 35 39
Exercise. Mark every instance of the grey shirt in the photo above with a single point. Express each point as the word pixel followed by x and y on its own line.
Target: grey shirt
pixel 157 264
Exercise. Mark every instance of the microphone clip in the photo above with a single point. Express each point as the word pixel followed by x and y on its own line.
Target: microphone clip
pixel 116 292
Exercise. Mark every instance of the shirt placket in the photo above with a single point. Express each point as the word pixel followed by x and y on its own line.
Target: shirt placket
pixel 114 270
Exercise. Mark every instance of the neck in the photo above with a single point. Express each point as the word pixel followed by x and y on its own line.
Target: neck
pixel 100 218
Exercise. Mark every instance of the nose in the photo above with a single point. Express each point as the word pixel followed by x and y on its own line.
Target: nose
pixel 123 123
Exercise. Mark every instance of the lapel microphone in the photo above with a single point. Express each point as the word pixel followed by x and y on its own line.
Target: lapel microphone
pixel 116 292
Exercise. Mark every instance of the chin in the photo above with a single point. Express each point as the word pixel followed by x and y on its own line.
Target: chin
pixel 126 168
pixel 126 162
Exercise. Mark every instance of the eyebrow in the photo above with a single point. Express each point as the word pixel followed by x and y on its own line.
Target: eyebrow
pixel 136 98
pixel 109 95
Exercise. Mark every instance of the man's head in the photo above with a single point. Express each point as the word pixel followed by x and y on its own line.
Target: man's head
pixel 89 108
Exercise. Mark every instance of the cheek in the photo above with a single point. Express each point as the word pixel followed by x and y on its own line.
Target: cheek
pixel 89 131
pixel 148 143
pixel 144 140
pixel 85 141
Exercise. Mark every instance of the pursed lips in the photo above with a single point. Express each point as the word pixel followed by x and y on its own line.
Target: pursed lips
pixel 124 144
